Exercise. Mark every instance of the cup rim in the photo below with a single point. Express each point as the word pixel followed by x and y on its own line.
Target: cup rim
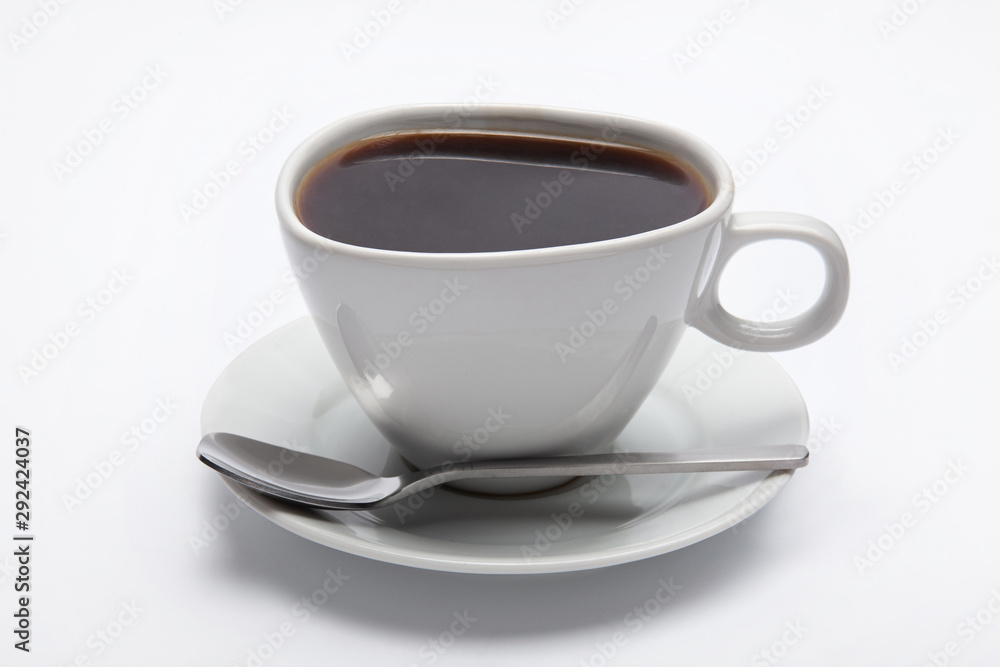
pixel 501 117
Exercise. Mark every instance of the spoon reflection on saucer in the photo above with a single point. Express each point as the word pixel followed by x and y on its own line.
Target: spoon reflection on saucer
pixel 316 481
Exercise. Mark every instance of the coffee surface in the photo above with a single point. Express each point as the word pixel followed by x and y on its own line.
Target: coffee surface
pixel 486 192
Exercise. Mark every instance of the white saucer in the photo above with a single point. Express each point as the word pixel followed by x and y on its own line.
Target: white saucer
pixel 285 389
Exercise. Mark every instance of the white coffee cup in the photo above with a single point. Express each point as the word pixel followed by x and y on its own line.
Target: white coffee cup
pixel 539 352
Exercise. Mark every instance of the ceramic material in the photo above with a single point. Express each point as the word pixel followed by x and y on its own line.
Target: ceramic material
pixel 541 352
pixel 284 389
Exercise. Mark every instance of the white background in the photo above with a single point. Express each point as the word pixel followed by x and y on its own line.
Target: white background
pixel 897 428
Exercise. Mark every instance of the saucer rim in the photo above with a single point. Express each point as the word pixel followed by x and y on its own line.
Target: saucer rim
pixel 308 523
pixel 293 520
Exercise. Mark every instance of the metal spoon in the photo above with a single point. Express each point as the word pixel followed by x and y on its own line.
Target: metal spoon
pixel 315 481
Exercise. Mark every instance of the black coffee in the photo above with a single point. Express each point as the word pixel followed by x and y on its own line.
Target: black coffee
pixel 484 192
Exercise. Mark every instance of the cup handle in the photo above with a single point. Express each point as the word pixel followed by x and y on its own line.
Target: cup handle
pixel 741 230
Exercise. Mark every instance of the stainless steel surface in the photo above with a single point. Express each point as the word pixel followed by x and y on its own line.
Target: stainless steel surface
pixel 319 482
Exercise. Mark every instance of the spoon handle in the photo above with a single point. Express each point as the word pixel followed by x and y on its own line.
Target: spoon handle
pixel 765 457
